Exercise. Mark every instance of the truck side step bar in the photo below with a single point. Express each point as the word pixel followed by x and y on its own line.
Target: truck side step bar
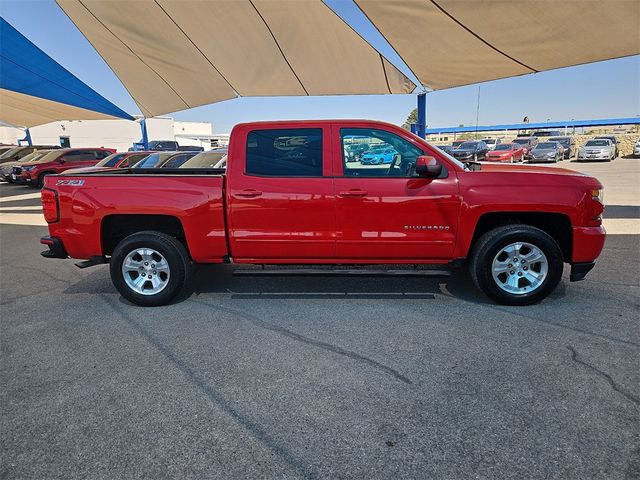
pixel 319 272
pixel 98 260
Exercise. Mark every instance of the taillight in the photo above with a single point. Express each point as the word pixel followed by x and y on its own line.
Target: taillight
pixel 50 205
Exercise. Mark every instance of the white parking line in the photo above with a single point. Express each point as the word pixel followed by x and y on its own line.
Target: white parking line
pixel 15 209
pixel 622 226
pixel 36 219
pixel 15 198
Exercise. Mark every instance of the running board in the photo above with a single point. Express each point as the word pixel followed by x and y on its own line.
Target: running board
pixel 311 272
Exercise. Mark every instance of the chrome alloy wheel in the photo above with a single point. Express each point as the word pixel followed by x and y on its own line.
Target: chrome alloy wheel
pixel 145 271
pixel 519 268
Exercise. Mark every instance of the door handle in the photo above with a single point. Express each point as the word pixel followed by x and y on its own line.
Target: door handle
pixel 248 193
pixel 353 193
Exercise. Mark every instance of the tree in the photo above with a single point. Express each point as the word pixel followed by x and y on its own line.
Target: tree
pixel 412 118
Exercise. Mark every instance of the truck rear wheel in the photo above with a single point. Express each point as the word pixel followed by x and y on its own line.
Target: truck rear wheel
pixel 149 268
pixel 516 264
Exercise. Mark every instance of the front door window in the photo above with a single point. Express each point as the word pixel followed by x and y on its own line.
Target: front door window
pixel 370 152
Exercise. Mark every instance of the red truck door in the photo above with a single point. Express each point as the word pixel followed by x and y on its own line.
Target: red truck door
pixel 280 193
pixel 384 212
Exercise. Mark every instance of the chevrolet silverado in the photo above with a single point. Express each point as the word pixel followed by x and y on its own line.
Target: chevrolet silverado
pixel 290 196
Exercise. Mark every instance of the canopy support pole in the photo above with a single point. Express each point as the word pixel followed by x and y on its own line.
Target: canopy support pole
pixel 145 136
pixel 27 138
pixel 421 126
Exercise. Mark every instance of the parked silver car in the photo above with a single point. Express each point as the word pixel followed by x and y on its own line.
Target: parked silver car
pixel 597 149
pixel 546 152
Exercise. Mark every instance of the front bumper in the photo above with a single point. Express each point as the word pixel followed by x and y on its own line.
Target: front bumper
pixel 588 243
pixel 594 157
pixel 542 159
pixel 56 248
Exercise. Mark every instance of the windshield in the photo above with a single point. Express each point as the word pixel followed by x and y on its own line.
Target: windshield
pixel 561 141
pixel 545 146
pixel 467 145
pixel 49 157
pixel 32 157
pixel 597 143
pixel 503 146
pixel 111 161
pixel 521 141
pixel 153 160
pixel 10 153
pixel 489 141
pixel 205 159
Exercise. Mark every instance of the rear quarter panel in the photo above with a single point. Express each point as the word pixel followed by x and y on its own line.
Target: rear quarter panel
pixel 196 201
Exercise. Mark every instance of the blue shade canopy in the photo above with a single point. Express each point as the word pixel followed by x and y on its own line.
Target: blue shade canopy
pixel 604 122
pixel 35 89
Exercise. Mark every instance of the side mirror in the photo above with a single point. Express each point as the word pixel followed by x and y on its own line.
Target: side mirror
pixel 428 167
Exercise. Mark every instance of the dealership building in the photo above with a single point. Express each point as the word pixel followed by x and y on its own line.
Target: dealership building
pixel 118 134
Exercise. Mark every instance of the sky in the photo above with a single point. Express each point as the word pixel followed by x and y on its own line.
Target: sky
pixel 600 90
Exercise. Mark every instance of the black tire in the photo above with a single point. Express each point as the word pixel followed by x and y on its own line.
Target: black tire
pixel 173 251
pixel 489 245
pixel 40 182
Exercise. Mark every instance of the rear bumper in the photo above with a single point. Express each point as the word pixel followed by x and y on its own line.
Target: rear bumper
pixel 580 270
pixel 56 248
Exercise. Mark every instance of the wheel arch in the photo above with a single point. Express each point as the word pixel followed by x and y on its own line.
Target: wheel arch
pixel 115 228
pixel 557 225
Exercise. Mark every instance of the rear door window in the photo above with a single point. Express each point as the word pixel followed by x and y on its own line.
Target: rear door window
pixel 285 152
pixel 80 155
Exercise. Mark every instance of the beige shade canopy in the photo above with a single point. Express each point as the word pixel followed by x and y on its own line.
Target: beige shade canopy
pixel 448 43
pixel 172 55
pixel 24 110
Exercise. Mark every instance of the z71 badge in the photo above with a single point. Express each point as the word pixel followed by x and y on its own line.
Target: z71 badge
pixel 72 183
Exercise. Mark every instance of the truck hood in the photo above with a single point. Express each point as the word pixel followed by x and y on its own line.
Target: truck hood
pixel 519 168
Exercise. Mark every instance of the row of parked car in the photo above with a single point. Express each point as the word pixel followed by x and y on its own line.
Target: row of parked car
pixel 533 149
pixel 31 168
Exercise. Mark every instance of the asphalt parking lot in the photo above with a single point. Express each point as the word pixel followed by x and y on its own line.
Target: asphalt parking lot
pixel 319 378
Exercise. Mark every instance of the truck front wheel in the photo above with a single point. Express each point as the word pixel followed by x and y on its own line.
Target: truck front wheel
pixel 149 268
pixel 516 264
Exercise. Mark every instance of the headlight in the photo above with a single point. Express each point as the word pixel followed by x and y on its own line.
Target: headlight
pixel 597 194
pixel 28 169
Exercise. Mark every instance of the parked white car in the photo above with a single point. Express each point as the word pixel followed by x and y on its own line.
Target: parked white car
pixel 636 149
pixel 492 142
pixel 597 149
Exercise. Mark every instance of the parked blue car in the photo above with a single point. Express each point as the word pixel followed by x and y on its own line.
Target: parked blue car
pixel 378 156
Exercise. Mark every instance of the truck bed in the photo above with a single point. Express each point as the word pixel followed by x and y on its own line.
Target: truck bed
pixel 194 197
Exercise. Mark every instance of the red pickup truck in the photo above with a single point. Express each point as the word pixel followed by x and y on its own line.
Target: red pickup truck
pixel 291 194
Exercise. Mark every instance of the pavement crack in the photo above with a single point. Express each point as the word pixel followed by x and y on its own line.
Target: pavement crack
pixel 542 320
pixel 316 343
pixel 629 396
pixel 214 396
pixel 39 271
